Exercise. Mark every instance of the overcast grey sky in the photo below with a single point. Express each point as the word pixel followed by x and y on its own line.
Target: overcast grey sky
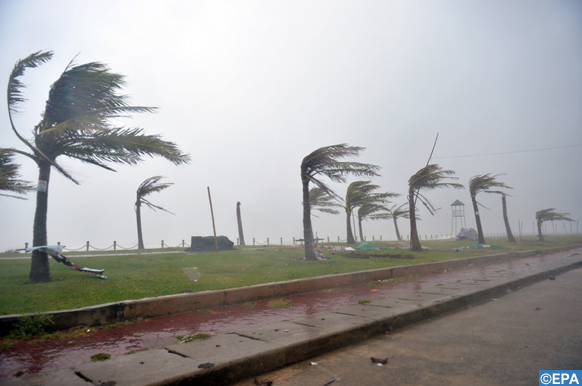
pixel 249 88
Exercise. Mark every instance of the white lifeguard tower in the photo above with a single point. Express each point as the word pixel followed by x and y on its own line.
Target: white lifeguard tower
pixel 458 211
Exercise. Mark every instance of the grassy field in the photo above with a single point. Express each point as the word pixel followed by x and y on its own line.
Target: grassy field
pixel 135 276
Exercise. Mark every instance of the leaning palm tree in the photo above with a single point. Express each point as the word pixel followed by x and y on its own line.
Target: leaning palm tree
pixel 483 183
pixel 325 162
pixel 76 124
pixel 358 194
pixel 510 237
pixel 372 211
pixel 394 213
pixel 9 177
pixel 428 178
pixel 149 186
pixel 549 214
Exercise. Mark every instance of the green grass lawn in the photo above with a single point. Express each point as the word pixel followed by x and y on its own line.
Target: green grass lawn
pixel 136 276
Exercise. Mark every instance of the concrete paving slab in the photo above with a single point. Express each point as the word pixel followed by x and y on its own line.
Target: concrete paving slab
pixel 139 369
pixel 60 377
pixel 331 321
pixel 221 348
pixel 421 297
pixel 397 305
pixel 282 332
pixel 371 313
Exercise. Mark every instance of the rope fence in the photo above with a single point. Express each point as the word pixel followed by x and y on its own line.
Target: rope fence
pixel 294 242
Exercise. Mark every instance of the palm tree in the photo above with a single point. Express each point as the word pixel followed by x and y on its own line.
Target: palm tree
pixel 510 237
pixel 325 162
pixel 371 211
pixel 9 177
pixel 394 213
pixel 76 124
pixel 428 178
pixel 239 223
pixel 149 186
pixel 360 193
pixel 478 184
pixel 549 214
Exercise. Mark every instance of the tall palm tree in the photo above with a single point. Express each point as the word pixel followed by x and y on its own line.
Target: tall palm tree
pixel 549 214
pixel 510 237
pixel 76 124
pixel 483 183
pixel 149 186
pixel 9 177
pixel 394 213
pixel 428 178
pixel 325 162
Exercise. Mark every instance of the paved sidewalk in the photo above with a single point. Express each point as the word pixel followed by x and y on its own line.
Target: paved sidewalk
pixel 501 342
pixel 229 357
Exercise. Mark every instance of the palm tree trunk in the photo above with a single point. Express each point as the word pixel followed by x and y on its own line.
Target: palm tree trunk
pixel 540 236
pixel 39 266
pixel 307 228
pixel 478 221
pixel 360 228
pixel 140 245
pixel 350 234
pixel 396 227
pixel 239 222
pixel 414 240
pixel 510 237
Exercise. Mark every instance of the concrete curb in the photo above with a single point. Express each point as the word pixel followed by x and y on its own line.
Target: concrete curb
pixel 110 313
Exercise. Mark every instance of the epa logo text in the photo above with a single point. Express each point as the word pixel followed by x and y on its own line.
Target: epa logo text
pixel 559 377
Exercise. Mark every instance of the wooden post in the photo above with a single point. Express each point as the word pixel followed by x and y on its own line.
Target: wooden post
pixel 212 214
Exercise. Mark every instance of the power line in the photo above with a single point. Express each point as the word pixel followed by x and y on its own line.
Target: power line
pixel 510 152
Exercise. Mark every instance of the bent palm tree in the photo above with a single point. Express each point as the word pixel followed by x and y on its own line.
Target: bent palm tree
pixel 76 124
pixel 149 186
pixel 360 193
pixel 325 162
pixel 510 237
pixel 371 211
pixel 394 213
pixel 478 184
pixel 9 177
pixel 549 214
pixel 428 178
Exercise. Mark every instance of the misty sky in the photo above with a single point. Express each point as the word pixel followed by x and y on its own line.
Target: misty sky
pixel 248 88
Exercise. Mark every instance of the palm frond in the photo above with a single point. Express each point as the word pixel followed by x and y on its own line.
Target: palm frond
pixel 10 177
pixel 326 161
pixel 15 86
pixel 149 186
pixel 483 183
pixel 321 201
pixel 550 214
pixel 431 177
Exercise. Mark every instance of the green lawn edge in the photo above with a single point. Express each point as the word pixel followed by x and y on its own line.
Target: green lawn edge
pixel 133 275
